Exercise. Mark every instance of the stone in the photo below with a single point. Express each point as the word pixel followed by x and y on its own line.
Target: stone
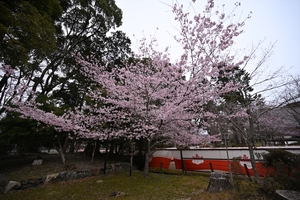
pixel 71 176
pixel 62 176
pixel 6 185
pixel 37 162
pixel 12 185
pixel 122 166
pixel 125 165
pixel 81 175
pixel 3 183
pixel 116 194
pixel 51 178
pixel 113 167
pixel 287 195
pixel 95 172
pixel 107 170
pixel 84 173
pixel 99 181
pixel 25 184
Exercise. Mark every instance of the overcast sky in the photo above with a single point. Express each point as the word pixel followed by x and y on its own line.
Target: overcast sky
pixel 272 20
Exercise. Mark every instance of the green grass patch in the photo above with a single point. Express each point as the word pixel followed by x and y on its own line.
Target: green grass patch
pixel 161 184
pixel 157 186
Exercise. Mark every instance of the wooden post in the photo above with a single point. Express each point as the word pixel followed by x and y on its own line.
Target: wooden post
pixel 131 157
pixel 184 167
pixel 211 167
pixel 247 171
pixel 182 163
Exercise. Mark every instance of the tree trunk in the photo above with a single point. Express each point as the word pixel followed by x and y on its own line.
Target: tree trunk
pixel 111 148
pixel 106 157
pixel 252 160
pixel 72 144
pixel 60 151
pixel 250 145
pixel 218 182
pixel 88 149
pixel 93 154
pixel 120 150
pixel 66 143
pixel 62 156
pixel 147 158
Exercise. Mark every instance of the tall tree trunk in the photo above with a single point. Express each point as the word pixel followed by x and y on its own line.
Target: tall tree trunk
pixel 106 157
pixel 111 148
pixel 60 151
pixel 147 158
pixel 66 143
pixel 72 144
pixel 120 150
pixel 252 160
pixel 62 156
pixel 250 145
pixel 88 149
pixel 93 154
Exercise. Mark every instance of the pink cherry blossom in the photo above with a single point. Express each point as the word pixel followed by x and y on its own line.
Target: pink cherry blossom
pixel 151 97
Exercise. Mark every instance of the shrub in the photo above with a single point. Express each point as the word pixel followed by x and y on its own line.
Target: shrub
pixel 284 171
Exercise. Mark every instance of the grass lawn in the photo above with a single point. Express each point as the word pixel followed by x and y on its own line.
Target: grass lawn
pixel 156 186
pixel 167 185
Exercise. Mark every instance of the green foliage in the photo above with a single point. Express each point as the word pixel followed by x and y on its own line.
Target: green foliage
pixel 278 158
pixel 284 171
pixel 27 30
pixel 27 134
pixel 56 33
pixel 238 76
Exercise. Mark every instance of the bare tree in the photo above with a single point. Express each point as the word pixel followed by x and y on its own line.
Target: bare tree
pixel 256 96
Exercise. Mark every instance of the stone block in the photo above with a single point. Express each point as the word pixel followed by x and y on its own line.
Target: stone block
pixel 51 178
pixel 287 195
pixel 12 185
pixel 37 162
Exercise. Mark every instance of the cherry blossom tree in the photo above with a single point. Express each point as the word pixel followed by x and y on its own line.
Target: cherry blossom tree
pixel 291 96
pixel 278 123
pixel 151 98
pixel 159 99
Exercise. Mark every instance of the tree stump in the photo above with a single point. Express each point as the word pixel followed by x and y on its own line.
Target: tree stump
pixel 218 182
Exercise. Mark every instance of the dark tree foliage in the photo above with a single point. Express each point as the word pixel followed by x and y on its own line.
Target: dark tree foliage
pixel 83 30
pixel 240 77
pixel 239 98
pixel 27 33
pixel 27 134
pixel 284 168
pixel 43 39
